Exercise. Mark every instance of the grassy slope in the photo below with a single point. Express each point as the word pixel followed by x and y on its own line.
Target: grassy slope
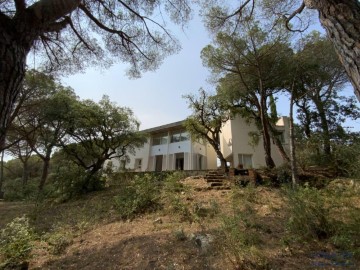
pixel 192 230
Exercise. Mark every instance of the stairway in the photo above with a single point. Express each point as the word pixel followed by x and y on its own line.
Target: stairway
pixel 215 179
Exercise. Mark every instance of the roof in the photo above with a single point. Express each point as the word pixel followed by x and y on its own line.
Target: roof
pixel 167 127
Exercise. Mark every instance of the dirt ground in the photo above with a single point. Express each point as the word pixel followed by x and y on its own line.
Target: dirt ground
pixel 161 240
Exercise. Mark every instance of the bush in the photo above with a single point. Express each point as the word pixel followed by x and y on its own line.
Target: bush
pixel 346 159
pixel 59 241
pixel 69 180
pixel 138 196
pixel 238 242
pixel 347 236
pixel 309 218
pixel 16 242
pixel 15 190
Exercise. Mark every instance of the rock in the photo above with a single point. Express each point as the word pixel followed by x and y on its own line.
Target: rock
pixel 203 241
pixel 158 221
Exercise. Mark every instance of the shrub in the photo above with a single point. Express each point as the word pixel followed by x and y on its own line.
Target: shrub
pixel 59 241
pixel 16 242
pixel 309 218
pixel 179 234
pixel 15 190
pixel 347 235
pixel 70 180
pixel 138 196
pixel 346 159
pixel 238 242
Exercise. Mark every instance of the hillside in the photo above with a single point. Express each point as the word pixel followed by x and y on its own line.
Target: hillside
pixel 193 227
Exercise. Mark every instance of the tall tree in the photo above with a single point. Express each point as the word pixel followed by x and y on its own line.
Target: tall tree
pixel 100 132
pixel 322 106
pixel 44 126
pixel 252 65
pixel 71 34
pixel 207 119
pixel 340 18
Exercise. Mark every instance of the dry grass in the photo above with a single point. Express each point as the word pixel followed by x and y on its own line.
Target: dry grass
pixel 166 240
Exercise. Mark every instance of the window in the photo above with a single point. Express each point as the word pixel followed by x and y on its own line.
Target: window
pixel 281 136
pixel 246 161
pixel 138 163
pixel 122 164
pixel 179 137
pixel 160 139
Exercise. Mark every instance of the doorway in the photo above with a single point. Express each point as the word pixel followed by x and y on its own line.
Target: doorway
pixel 179 161
pixel 158 163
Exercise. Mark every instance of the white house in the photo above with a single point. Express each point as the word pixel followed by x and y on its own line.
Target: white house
pixel 237 149
pixel 170 147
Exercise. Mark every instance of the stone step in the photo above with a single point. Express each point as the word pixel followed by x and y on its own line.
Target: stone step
pixel 215 177
pixel 215 184
pixel 214 180
pixel 222 188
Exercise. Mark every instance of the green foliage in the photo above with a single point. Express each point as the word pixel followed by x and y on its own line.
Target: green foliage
pixel 207 119
pixel 309 217
pixel 203 210
pixel 346 159
pixel 325 215
pixel 69 180
pixel 238 242
pixel 59 241
pixel 179 234
pixel 347 236
pixel 16 242
pixel 15 190
pixel 174 192
pixel 254 138
pixel 172 183
pixel 138 196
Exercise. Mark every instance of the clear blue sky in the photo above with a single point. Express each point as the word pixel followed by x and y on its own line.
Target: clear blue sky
pixel 156 98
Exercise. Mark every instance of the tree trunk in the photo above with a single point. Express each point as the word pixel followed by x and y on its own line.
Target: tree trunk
pixel 95 168
pixel 12 72
pixel 2 174
pixel 45 172
pixel 293 162
pixel 223 161
pixel 266 136
pixel 324 127
pixel 278 144
pixel 17 35
pixel 25 174
pixel 341 19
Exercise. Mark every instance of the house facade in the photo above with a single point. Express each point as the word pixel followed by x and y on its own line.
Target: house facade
pixel 238 148
pixel 170 147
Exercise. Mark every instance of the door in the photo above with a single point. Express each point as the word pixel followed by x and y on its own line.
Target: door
pixel 179 162
pixel 158 163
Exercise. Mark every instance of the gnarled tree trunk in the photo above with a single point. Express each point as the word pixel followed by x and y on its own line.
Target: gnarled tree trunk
pixel 341 19
pixel 12 72
pixel 17 35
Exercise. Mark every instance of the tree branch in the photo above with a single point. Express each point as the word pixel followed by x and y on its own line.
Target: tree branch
pixel 288 19
pixel 47 11
pixel 20 6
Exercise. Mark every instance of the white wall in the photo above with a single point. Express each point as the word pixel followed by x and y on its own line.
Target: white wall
pixel 240 143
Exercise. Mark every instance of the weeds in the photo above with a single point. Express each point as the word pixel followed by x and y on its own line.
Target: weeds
pixel 179 234
pixel 309 218
pixel 139 196
pixel 16 243
pixel 239 244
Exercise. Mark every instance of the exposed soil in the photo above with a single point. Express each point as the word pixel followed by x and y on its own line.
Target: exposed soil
pixel 162 240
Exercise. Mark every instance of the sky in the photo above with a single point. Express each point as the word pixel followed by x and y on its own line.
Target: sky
pixel 156 98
